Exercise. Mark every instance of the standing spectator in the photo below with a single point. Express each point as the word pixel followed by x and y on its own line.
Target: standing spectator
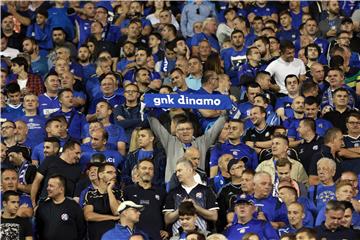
pixel 13 226
pixel 228 193
pixel 66 164
pixel 59 217
pixel 10 182
pixel 329 25
pixel 286 64
pixel 8 131
pixel 244 209
pixel 201 196
pixel 152 197
pixel 38 62
pixel 28 82
pixel 130 114
pixel 324 191
pixel 8 31
pixel 75 120
pixel 258 137
pixel 193 12
pixel 235 56
pixel 175 145
pixel 101 204
pixel 193 80
pixel 147 149
pixel 49 102
pixel 40 31
pixel 296 215
pixel 7 51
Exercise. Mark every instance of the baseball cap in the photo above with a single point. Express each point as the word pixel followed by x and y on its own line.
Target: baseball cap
pixel 129 204
pixel 235 161
pixel 244 198
pixel 20 149
pixel 97 159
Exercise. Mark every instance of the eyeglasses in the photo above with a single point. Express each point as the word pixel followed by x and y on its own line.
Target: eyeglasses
pixel 7 127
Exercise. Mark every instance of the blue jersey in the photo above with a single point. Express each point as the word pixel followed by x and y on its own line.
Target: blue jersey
pixel 238 151
pixel 37 153
pixel 247 73
pixel 121 65
pixel 42 36
pixel 290 35
pixel 113 100
pixel 76 121
pixel 84 27
pixel 198 37
pixel 232 61
pixel 321 194
pixel 116 134
pixel 58 18
pixel 296 19
pixel 262 228
pixel 321 124
pixel 88 70
pixel 130 76
pixel 121 232
pixel 284 102
pixel 14 112
pixel 48 105
pixel 40 66
pixel 92 87
pixel 267 10
pixel 272 209
pixel 36 127
pixel 111 156
pixel 272 118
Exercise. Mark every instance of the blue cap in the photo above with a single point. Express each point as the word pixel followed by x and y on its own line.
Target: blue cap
pixel 244 198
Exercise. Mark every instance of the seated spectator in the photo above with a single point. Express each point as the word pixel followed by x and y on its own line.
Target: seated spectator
pixel 279 148
pixel 98 144
pixel 229 192
pixel 324 191
pixel 8 131
pixel 38 62
pixel 10 182
pixel 268 207
pixel 102 204
pixel 14 107
pixel 222 176
pixel 331 228
pixel 9 219
pixel 296 216
pixel 203 198
pixel 233 146
pixel 191 154
pixel 49 102
pixel 244 209
pixel 147 148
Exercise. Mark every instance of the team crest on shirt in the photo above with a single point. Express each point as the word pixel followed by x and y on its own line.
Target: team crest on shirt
pixel 315 147
pixel 199 195
pixel 267 134
pixel 242 229
pixel 157 197
pixel 64 217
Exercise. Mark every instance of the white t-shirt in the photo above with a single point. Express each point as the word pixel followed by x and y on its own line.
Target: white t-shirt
pixel 10 52
pixel 22 83
pixel 279 69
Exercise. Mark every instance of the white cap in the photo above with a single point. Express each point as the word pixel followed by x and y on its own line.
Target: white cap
pixel 129 204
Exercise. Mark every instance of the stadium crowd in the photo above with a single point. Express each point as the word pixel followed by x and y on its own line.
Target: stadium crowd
pixel 84 157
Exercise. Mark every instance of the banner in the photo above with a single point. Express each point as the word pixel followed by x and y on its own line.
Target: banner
pixel 196 101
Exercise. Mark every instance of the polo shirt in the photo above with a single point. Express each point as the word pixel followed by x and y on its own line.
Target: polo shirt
pixel 153 200
pixel 307 149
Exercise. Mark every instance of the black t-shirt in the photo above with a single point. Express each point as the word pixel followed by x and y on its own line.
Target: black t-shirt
pixel 60 221
pixel 307 149
pixel 101 205
pixel 153 200
pixel 55 164
pixel 15 228
pixel 254 135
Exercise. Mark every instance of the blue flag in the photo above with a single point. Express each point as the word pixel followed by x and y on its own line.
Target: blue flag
pixel 195 101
